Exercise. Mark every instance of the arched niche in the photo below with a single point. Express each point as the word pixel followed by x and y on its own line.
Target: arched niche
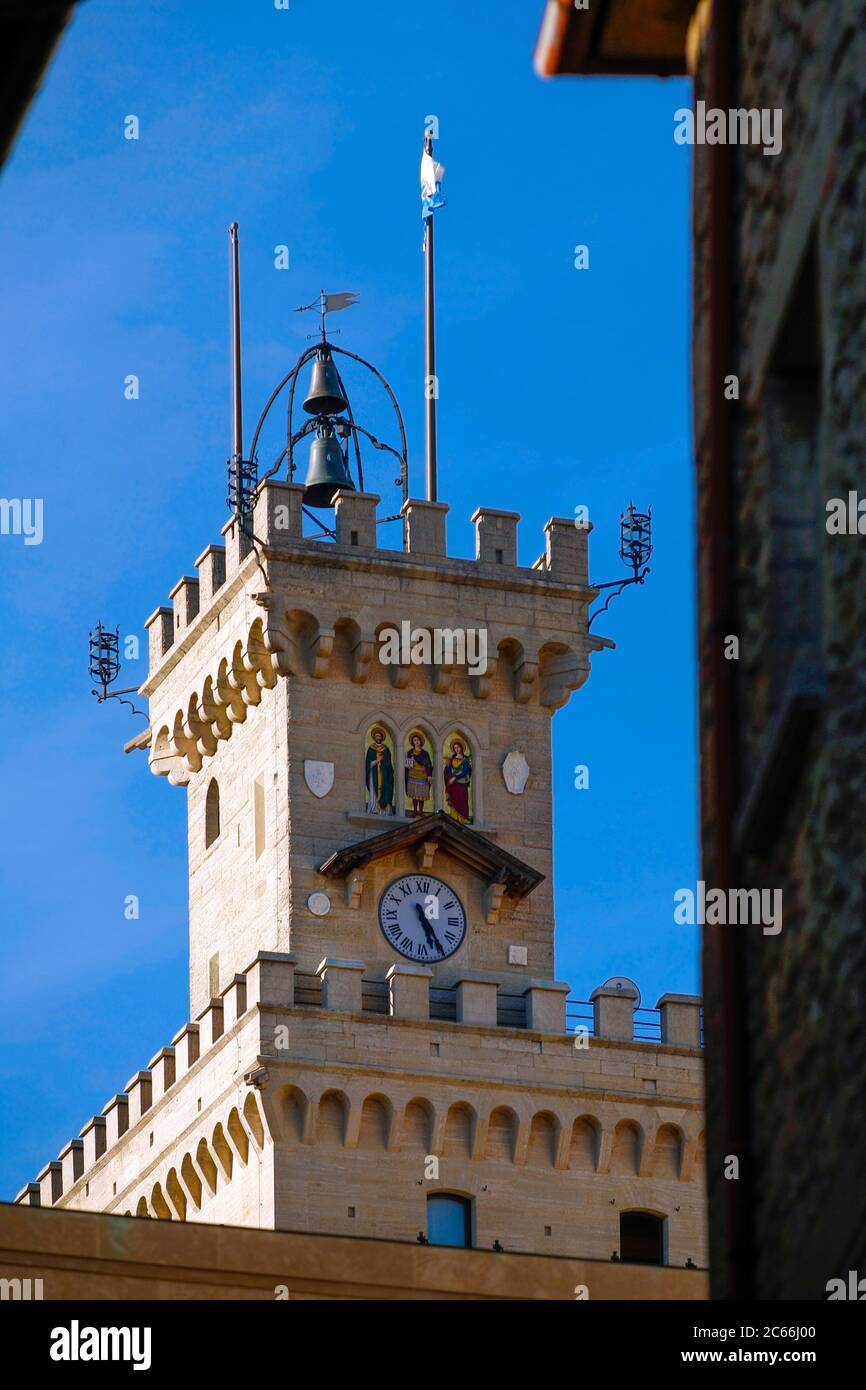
pixel 380 770
pixel 458 774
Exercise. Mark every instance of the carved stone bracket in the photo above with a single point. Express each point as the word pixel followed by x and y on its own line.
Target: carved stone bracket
pixel 481 684
pixel 362 656
pixel 321 648
pixel 493 896
pixel 279 642
pixel 426 852
pixel 560 676
pixel 354 889
pixel 525 677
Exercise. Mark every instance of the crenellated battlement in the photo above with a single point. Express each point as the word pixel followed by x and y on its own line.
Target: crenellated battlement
pixel 277 534
pixel 299 607
pixel 594 1093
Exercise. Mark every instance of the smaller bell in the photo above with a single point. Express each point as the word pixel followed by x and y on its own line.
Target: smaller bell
pixel 327 472
pixel 325 396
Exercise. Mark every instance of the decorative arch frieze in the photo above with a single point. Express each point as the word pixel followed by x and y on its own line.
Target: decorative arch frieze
pixel 297 642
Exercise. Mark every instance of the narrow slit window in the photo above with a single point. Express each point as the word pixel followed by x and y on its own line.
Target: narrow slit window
pixel 212 813
pixel 259 826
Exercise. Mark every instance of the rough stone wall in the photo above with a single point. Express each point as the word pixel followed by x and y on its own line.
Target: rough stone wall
pixel 806 987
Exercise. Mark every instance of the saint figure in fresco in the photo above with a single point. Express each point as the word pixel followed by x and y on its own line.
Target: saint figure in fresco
pixel 419 774
pixel 379 775
pixel 457 772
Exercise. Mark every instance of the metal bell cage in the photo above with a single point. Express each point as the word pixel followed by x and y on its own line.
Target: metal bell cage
pixel 337 434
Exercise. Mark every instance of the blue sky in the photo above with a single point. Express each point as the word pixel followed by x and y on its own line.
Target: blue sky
pixel 558 388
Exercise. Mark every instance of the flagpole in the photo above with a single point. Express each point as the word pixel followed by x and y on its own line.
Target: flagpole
pixel 237 403
pixel 430 362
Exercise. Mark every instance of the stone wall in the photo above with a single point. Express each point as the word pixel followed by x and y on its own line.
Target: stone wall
pixel 295 1113
pixel 278 664
pixel 83 1256
pixel 800 331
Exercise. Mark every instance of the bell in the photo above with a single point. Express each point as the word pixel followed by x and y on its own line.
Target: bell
pixel 325 395
pixel 327 472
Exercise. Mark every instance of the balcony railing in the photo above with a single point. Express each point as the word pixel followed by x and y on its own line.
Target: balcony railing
pixel 510 1008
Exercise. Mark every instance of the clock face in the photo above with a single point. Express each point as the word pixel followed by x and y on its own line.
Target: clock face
pixel 422 918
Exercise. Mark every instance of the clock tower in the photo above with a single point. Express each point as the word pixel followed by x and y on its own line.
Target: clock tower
pixel 377 1043
pixel 351 796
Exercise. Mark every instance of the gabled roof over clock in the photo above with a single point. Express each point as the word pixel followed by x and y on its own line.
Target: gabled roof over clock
pixel 439 830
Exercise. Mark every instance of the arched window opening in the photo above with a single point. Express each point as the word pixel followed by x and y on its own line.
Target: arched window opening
pixel 449 1220
pixel 212 813
pixel 641 1238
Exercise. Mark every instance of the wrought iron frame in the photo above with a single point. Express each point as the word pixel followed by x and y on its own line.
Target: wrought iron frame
pixel 106 670
pixel 293 437
pixel 635 548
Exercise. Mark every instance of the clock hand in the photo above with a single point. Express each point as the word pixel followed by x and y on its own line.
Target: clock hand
pixel 432 938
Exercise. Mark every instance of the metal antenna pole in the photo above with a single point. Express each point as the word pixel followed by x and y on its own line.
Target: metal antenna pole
pixel 430 349
pixel 237 404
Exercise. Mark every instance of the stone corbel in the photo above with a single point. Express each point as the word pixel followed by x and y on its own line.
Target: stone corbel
pixel 400 676
pixel 427 852
pixel 215 711
pixel 229 696
pixel 442 676
pixel 362 655
pixel 560 676
pixel 355 888
pixel 185 747
pixel 178 774
pixel 525 676
pixel 260 658
pixel 244 681
pixel 256 660
pixel 321 648
pixel 493 895
pixel 278 641
pixel 481 684
pixel 197 730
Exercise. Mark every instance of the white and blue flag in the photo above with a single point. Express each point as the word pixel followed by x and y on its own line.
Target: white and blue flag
pixel 432 174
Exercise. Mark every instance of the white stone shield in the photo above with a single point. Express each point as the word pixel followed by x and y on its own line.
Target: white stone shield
pixel 318 776
pixel 515 773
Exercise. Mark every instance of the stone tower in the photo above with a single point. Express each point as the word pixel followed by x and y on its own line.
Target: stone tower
pixel 267 678
pixel 376 1021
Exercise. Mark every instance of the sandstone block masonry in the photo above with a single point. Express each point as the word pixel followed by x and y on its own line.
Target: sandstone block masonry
pixel 281 668
pixel 307 1118
pixel 326 1083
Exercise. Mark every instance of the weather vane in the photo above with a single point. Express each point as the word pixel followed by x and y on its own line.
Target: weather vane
pixel 105 667
pixel 635 549
pixel 329 304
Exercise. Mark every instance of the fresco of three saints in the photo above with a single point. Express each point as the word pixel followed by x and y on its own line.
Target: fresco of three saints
pixel 409 783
